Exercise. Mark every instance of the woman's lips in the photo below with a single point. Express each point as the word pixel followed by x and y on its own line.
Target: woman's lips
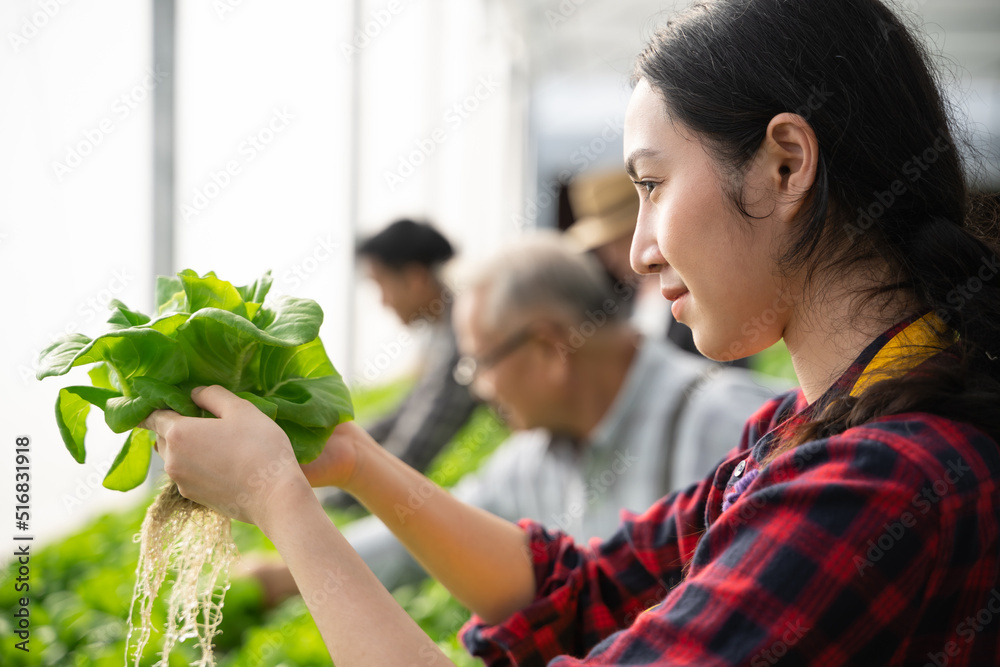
pixel 678 296
pixel 673 293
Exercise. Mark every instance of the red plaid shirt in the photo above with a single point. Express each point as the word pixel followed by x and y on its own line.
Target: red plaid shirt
pixel 879 546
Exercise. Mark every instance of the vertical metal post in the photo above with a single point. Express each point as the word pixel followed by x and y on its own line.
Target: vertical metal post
pixel 353 183
pixel 164 152
pixel 164 146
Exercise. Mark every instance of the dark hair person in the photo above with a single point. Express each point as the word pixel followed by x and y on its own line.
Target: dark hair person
pixel 406 242
pixel 799 180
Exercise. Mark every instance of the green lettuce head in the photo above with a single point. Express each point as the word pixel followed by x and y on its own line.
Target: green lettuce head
pixel 206 331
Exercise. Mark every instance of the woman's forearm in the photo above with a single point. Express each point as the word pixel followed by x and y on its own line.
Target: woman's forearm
pixel 359 620
pixel 482 559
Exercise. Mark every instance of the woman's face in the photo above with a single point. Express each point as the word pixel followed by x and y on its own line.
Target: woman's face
pixel 715 266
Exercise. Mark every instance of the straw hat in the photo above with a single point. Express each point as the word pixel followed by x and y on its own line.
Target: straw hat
pixel 605 206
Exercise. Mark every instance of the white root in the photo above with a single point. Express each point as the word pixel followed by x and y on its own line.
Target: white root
pixel 196 543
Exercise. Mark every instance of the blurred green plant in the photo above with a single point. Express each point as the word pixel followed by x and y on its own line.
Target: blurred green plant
pixel 80 590
pixel 81 586
pixel 775 361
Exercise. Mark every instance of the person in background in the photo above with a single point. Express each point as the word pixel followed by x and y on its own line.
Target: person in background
pixel 605 420
pixel 405 261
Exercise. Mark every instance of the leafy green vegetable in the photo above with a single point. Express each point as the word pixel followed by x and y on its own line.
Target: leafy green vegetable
pixel 132 461
pixel 206 331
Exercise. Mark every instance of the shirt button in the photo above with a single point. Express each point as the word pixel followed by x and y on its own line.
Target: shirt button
pixel 740 467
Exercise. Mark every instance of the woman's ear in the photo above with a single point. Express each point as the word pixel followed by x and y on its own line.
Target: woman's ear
pixel 789 157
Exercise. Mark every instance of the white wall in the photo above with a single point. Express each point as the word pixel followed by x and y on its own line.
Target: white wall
pixel 262 178
pixel 74 224
pixel 436 132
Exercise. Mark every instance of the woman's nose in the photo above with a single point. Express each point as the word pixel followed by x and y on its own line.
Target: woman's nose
pixel 644 255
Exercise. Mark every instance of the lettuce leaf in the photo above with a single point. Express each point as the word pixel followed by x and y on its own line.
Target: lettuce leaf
pixel 205 331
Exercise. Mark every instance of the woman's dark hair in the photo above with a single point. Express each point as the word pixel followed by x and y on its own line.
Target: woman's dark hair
pixel 890 185
pixel 406 242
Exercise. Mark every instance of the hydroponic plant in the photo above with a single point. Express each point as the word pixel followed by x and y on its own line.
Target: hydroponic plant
pixel 206 331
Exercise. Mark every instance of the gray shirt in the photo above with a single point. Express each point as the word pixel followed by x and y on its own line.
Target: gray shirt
pixel 675 417
pixel 436 407
pixel 431 414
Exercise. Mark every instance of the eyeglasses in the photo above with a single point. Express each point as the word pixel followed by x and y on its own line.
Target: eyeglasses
pixel 468 368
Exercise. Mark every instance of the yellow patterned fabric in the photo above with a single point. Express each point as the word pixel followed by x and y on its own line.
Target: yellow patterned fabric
pixel 907 349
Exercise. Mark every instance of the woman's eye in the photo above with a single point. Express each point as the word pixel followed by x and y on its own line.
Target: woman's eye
pixel 649 185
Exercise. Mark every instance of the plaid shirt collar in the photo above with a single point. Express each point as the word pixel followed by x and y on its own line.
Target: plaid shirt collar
pixel 736 474
pixel 874 362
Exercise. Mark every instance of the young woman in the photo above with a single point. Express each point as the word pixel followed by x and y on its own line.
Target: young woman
pixel 799 179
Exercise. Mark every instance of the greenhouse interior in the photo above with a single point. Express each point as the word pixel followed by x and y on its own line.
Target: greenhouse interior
pixel 251 158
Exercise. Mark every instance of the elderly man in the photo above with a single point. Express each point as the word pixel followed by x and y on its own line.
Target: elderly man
pixel 605 420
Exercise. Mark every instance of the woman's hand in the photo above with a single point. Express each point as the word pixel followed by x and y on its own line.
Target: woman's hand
pixel 341 458
pixel 240 464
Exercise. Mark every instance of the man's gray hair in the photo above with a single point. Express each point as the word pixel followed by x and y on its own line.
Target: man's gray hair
pixel 543 274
